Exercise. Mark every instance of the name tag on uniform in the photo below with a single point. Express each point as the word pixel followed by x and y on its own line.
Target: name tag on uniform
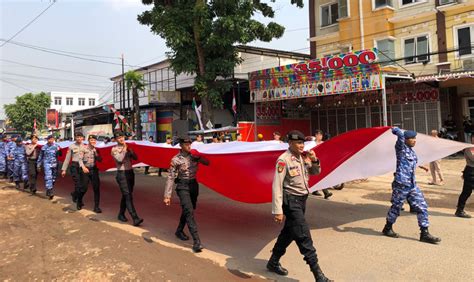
pixel 294 171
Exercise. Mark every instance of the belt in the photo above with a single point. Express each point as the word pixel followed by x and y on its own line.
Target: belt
pixel 301 197
pixel 185 181
pixel 74 163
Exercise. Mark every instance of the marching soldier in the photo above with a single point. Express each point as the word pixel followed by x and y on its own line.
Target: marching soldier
pixel 32 152
pixel 20 166
pixel 88 165
pixel 404 187
pixel 183 171
pixel 48 158
pixel 290 191
pixel 10 147
pixel 123 156
pixel 76 153
pixel 3 157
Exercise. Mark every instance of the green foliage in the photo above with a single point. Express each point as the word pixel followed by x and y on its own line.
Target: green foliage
pixel 134 80
pixel 27 108
pixel 203 34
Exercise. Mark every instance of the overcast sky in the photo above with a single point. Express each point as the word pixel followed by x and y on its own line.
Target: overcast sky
pixel 103 29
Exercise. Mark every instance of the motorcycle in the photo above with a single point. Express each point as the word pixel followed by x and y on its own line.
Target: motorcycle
pixel 448 134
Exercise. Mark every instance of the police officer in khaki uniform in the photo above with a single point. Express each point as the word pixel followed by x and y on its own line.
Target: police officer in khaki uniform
pixel 183 171
pixel 290 191
pixel 32 153
pixel 75 153
pixel 88 165
pixel 125 178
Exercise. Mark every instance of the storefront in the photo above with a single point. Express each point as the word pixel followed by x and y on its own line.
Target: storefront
pixel 341 93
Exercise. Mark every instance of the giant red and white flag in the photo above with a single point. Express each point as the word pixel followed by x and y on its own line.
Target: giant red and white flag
pixel 243 171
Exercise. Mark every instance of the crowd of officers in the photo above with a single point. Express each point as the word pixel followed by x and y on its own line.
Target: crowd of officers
pixel 290 190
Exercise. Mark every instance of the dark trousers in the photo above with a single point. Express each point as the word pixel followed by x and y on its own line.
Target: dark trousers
pixel 188 194
pixel 126 181
pixel 468 176
pixel 78 179
pixel 32 173
pixel 295 229
pixel 93 177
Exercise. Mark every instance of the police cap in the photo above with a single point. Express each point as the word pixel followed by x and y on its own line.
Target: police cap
pixel 78 134
pixel 119 134
pixel 92 136
pixel 185 139
pixel 19 139
pixel 295 135
pixel 409 134
pixel 50 136
pixel 2 136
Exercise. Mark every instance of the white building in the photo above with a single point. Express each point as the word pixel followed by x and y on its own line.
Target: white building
pixel 68 102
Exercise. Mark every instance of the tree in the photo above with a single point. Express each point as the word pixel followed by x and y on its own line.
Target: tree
pixel 134 81
pixel 26 109
pixel 202 36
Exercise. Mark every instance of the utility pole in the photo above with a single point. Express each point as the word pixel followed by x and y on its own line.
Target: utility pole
pixel 122 93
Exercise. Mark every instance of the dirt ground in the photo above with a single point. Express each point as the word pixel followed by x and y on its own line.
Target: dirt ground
pixel 40 240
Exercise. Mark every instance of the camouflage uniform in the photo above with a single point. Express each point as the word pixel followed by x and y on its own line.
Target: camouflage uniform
pixel 10 146
pixel 48 158
pixel 404 186
pixel 3 157
pixel 20 166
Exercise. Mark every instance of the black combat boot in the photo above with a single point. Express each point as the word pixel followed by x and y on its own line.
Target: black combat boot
pixel 316 193
pixel 318 274
pixel 388 231
pixel 79 203
pixel 17 185
pixel 426 237
pixel 274 265
pixel 197 246
pixel 461 213
pixel 74 197
pixel 181 235
pixel 97 209
pixel 25 185
pixel 50 193
pixel 327 193
pixel 122 217
pixel 33 189
pixel 136 220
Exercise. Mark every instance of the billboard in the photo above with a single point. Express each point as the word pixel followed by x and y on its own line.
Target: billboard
pixel 52 118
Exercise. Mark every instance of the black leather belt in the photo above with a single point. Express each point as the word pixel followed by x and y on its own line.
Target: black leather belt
pixel 185 181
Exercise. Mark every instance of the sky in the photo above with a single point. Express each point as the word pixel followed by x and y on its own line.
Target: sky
pixel 103 30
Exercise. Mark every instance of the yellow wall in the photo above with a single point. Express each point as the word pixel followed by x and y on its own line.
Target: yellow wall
pixel 463 15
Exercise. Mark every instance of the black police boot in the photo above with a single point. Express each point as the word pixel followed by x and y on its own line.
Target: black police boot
pixel 426 237
pixel 97 209
pixel 17 185
pixel 181 235
pixel 137 221
pixel 316 193
pixel 197 246
pixel 388 231
pixel 33 189
pixel 318 274
pixel 79 203
pixel 461 213
pixel 50 194
pixel 122 217
pixel 327 194
pixel 274 265
pixel 74 197
pixel 25 185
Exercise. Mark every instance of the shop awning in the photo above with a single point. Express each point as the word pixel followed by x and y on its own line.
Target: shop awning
pixel 444 77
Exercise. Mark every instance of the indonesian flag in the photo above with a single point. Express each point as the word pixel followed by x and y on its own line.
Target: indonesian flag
pixel 244 171
pixel 234 104
pixel 198 112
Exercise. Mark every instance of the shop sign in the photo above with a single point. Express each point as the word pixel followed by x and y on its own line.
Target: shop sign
pixel 164 97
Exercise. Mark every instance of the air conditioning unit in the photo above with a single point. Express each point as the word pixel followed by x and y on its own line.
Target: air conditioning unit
pixel 446 2
pixel 468 64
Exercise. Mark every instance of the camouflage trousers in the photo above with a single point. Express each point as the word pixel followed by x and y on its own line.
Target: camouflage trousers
pixel 20 170
pixel 415 198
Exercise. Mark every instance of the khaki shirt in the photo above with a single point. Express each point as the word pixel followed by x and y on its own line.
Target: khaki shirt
pixel 75 152
pixel 469 157
pixel 90 157
pixel 183 166
pixel 123 158
pixel 32 151
pixel 291 175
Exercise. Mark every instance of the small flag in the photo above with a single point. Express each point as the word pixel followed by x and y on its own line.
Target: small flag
pixel 209 125
pixel 198 112
pixel 34 125
pixel 234 104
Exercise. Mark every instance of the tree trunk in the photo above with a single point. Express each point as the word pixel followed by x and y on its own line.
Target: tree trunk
pixel 136 110
pixel 206 112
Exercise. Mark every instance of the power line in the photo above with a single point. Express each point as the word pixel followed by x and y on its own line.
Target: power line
pixel 55 79
pixel 28 24
pixel 16 85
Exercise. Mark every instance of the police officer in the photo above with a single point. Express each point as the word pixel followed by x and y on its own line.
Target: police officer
pixel 290 191
pixel 20 166
pixel 48 159
pixel 404 187
pixel 468 176
pixel 10 148
pixel 88 165
pixel 183 171
pixel 123 156
pixel 76 153
pixel 3 157
pixel 32 151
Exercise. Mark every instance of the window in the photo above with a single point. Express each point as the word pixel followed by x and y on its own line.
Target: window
pixel 68 101
pixel 91 102
pixel 416 50
pixel 382 3
pixel 329 14
pixel 465 40
pixel 82 101
pixel 386 48
pixel 57 101
pixel 408 2
pixel 343 8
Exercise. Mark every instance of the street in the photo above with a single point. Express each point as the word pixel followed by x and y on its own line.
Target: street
pixel 43 240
